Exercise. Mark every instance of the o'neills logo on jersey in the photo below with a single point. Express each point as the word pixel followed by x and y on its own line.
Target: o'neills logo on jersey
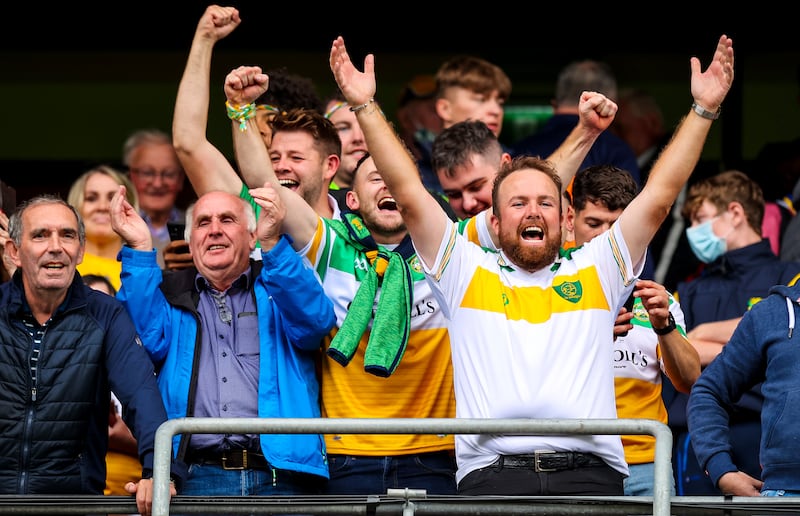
pixel 571 291
pixel 636 358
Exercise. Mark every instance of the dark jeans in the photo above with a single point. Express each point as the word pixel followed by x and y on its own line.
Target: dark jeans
pixel 359 474
pixel 211 480
pixel 499 480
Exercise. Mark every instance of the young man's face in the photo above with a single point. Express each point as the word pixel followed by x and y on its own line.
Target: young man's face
pixel 460 104
pixel 591 221
pixel 707 211
pixel 468 187
pixel 300 166
pixel 371 198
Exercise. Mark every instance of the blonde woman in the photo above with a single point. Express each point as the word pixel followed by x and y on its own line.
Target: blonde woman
pixel 91 195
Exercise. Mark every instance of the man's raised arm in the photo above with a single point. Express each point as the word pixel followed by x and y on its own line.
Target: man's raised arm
pixel 424 217
pixel 647 211
pixel 596 113
pixel 242 87
pixel 206 167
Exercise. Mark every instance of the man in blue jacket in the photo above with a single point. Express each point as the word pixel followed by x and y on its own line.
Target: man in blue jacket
pixel 232 337
pixel 63 348
pixel 764 347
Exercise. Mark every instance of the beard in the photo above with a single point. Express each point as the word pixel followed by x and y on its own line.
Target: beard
pixel 384 228
pixel 310 191
pixel 528 258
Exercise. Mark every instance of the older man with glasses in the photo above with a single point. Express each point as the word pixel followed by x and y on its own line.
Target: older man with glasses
pixel 158 177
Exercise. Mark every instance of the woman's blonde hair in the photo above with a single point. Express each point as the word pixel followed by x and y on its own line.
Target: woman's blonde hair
pixel 77 191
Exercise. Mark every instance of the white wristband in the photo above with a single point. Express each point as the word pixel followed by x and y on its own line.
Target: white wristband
pixel 700 110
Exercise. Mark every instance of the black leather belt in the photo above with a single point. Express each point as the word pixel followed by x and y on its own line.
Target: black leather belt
pixel 229 459
pixel 544 461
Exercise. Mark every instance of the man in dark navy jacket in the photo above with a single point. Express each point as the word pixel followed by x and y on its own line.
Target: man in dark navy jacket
pixel 63 348
pixel 609 149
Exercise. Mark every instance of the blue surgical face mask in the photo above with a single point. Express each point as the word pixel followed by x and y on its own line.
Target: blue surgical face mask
pixel 705 244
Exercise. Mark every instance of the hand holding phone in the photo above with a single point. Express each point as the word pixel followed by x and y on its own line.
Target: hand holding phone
pixel 177 255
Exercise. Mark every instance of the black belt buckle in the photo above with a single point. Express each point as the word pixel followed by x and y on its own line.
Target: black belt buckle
pixel 537 461
pixel 242 464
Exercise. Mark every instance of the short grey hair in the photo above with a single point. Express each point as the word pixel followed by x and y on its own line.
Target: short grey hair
pixel 143 137
pixel 15 229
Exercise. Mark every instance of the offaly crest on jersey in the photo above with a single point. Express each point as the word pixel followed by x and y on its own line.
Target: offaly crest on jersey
pixel 571 291
pixel 415 265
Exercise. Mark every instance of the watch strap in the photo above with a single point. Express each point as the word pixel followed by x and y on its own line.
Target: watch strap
pixel 669 328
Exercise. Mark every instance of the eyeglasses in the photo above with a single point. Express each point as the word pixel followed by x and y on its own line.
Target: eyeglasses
pixel 168 176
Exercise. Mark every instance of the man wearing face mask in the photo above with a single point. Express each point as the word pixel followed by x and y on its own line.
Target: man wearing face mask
pixel 725 212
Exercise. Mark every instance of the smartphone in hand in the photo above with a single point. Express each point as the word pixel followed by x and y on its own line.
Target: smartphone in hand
pixel 8 199
pixel 176 230
pixel 629 308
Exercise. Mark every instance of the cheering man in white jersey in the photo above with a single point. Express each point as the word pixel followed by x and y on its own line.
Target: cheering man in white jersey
pixel 353 256
pixel 524 320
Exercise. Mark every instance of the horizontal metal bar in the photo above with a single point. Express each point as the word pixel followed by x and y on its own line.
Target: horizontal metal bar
pixel 662 433
pixel 393 505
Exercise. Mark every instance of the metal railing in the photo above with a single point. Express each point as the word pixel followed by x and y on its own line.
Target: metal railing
pixel 165 433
